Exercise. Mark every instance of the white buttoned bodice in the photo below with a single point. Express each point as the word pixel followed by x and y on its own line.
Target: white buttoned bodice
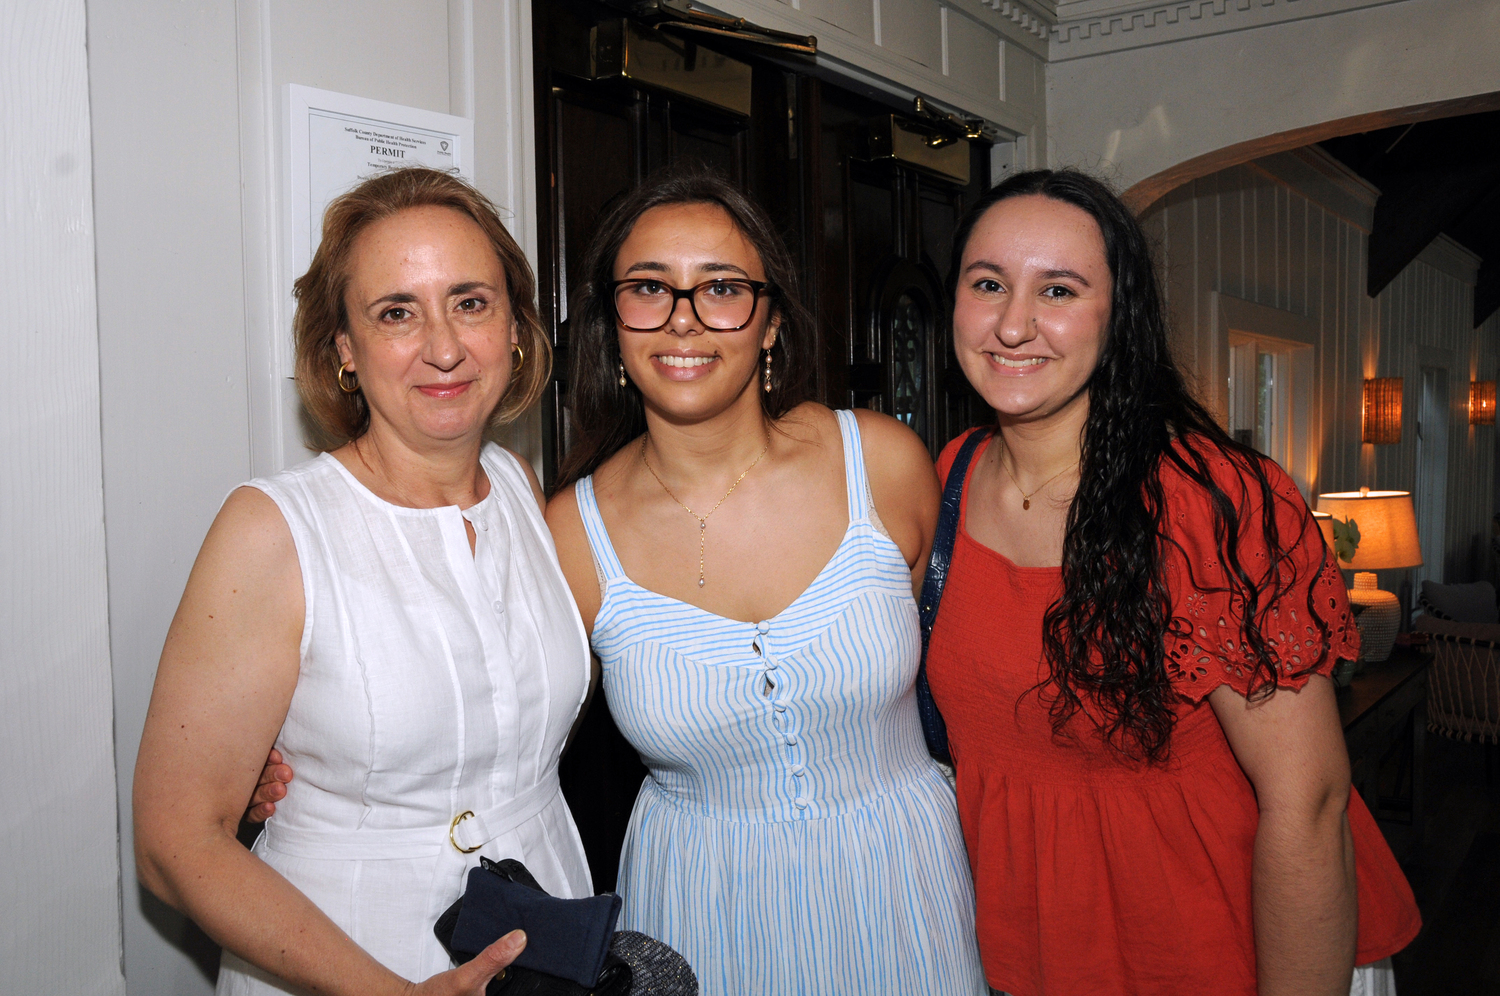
pixel 434 681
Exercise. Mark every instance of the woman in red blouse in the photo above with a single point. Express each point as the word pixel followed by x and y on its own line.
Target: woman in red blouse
pixel 1133 650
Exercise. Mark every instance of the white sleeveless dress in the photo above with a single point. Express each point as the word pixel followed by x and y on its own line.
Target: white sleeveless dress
pixel 434 682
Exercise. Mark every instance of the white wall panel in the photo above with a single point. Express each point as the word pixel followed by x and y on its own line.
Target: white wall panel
pixel 59 878
pixel 854 17
pixel 973 53
pixel 393 50
pixel 912 29
pixel 1023 78
pixel 1244 232
pixel 172 343
pixel 1427 321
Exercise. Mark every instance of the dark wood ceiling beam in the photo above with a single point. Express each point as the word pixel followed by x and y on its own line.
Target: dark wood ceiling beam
pixel 1487 290
pixel 1479 232
pixel 1411 214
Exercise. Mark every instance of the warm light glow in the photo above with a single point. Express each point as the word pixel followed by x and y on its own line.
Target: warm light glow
pixel 1381 417
pixel 1481 402
pixel 1325 525
pixel 1387 528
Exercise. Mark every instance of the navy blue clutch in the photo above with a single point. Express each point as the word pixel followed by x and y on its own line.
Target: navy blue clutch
pixel 567 940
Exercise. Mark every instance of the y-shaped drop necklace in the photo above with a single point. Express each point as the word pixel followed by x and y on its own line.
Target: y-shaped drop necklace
pixel 1026 498
pixel 703 519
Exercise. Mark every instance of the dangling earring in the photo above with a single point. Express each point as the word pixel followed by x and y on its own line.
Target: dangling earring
pixel 622 373
pixel 767 380
pixel 515 347
pixel 352 387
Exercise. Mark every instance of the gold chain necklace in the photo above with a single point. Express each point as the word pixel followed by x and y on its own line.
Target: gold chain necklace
pixel 1026 498
pixel 703 519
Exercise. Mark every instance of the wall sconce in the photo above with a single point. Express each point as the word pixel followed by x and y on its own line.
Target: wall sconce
pixel 1481 402
pixel 1380 420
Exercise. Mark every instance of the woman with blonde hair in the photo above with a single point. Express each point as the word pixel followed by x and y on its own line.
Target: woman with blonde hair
pixel 390 616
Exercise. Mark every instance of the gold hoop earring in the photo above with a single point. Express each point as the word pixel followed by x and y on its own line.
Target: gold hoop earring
pixel 515 347
pixel 344 371
pixel 623 382
pixel 767 381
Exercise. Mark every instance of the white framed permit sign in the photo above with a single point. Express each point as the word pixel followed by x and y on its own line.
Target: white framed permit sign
pixel 336 140
pixel 332 142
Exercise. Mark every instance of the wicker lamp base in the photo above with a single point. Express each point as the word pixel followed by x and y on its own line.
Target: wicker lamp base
pixel 1380 619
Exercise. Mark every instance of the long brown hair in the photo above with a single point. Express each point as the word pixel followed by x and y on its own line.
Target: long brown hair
pixel 605 415
pixel 1106 636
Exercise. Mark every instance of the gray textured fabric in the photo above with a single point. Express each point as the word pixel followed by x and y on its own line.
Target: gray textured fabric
pixel 656 969
pixel 1426 623
pixel 1469 603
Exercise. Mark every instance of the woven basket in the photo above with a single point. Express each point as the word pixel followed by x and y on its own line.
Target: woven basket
pixel 1463 689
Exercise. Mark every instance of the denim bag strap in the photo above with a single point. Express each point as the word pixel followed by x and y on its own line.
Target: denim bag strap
pixel 934 730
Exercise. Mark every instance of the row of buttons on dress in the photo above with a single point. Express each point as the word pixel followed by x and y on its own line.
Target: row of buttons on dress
pixel 481 523
pixel 775 682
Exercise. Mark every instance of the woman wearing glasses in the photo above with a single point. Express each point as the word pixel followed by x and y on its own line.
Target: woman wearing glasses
pixel 744 562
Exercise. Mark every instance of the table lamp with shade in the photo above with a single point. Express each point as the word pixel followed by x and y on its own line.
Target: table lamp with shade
pixel 1387 525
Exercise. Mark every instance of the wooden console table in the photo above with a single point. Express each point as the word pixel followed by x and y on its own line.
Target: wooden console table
pixel 1384 712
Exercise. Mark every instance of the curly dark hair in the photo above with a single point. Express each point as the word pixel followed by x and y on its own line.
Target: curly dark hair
pixel 606 415
pixel 1106 637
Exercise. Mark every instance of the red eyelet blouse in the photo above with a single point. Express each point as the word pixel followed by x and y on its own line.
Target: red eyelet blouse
pixel 1094 874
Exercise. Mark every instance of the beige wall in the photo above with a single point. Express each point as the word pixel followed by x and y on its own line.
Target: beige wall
pixel 1251 233
pixel 1137 113
pixel 59 874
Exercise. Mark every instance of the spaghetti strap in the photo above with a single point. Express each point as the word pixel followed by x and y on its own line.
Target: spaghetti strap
pixel 855 479
pixel 787 751
pixel 593 524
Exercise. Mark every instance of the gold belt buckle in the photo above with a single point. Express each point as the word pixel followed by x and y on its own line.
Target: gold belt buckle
pixel 466 814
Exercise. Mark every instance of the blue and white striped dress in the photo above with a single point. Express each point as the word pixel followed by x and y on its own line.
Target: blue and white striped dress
pixel 793 835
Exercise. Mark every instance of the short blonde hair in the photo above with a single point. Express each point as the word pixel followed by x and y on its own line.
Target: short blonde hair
pixel 321 315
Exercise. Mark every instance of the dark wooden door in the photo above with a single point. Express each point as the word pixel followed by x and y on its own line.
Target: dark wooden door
pixel 870 236
pixel 887 229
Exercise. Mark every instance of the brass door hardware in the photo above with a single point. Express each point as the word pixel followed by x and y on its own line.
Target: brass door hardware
pixel 683 15
pixel 950 127
pixel 623 48
pixel 918 144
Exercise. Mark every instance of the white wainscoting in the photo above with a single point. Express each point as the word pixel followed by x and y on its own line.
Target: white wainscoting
pixel 1262 233
pixel 59 878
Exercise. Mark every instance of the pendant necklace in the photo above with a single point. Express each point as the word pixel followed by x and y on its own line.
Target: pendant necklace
pixel 1026 498
pixel 703 519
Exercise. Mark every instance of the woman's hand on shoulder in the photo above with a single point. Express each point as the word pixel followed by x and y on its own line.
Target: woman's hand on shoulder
pixel 903 484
